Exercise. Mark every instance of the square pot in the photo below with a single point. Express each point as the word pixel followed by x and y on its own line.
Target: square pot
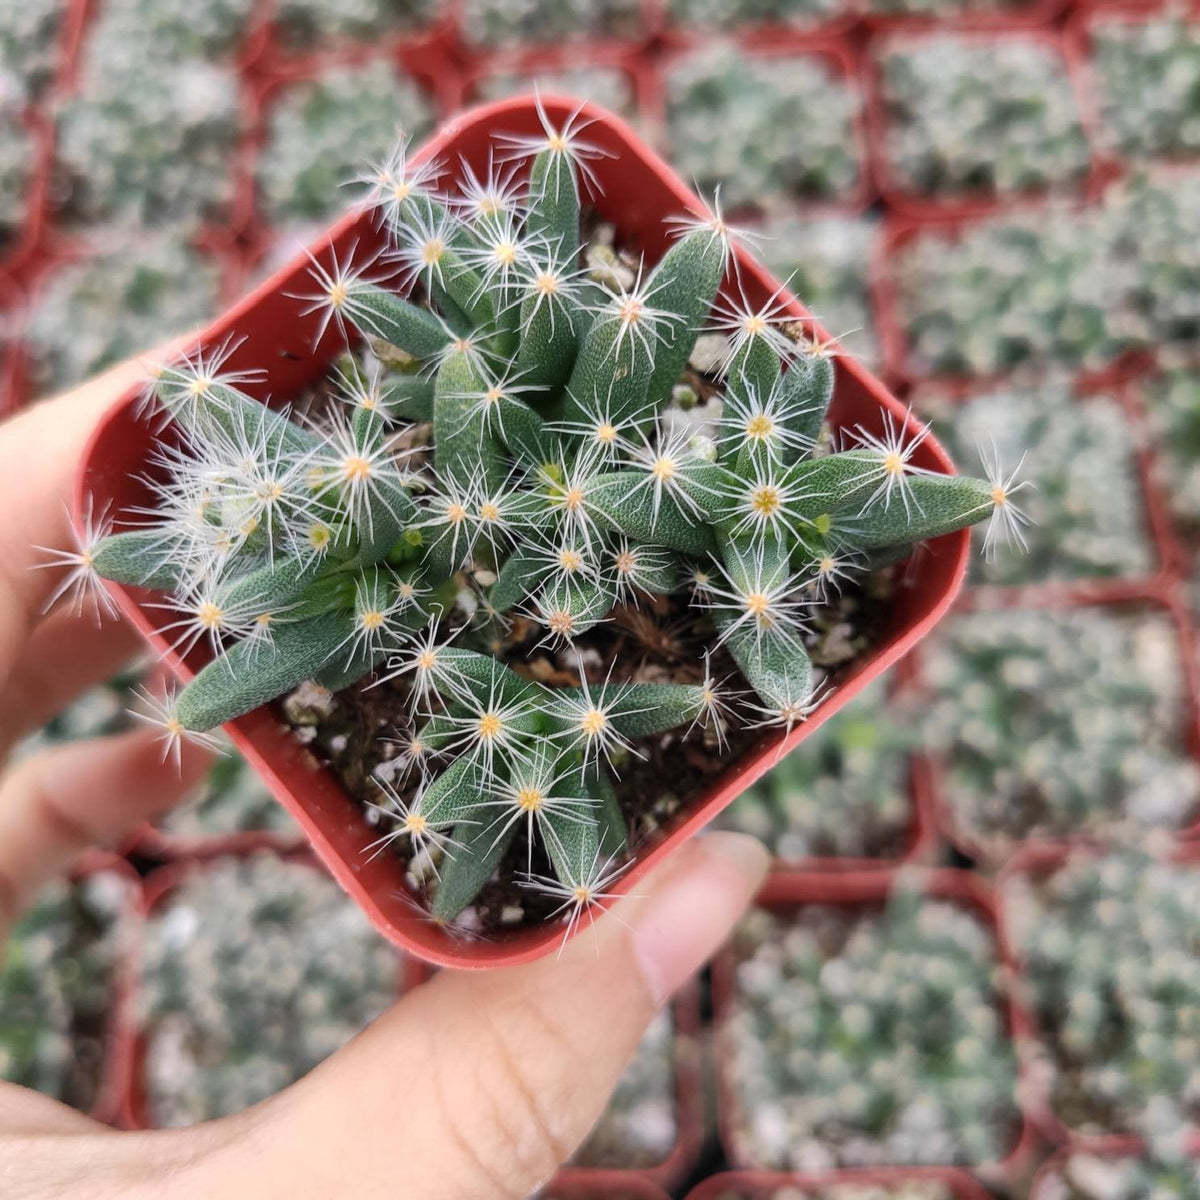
pixel 639 190
pixel 788 893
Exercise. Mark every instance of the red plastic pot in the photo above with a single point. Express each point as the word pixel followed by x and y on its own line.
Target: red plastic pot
pixel 784 893
pixel 1078 33
pixel 1163 594
pixel 1035 862
pixel 966 205
pixel 766 1185
pixel 638 191
pixel 129 1043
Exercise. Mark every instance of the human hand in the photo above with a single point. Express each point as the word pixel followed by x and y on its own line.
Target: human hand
pixel 474 1085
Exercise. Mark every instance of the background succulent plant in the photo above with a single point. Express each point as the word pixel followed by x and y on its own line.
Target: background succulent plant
pixel 320 131
pixel 18 157
pixel 1147 81
pixel 312 23
pixel 914 1189
pixel 172 29
pixel 827 260
pixel 559 486
pixel 58 984
pixel 1087 514
pixel 1172 402
pixel 231 800
pixel 610 87
pixel 844 793
pixel 503 22
pixel 716 14
pixel 114 304
pixel 744 122
pixel 1056 723
pixel 29 37
pixel 1112 970
pixel 969 115
pixel 147 141
pixel 863 1038
pixel 1085 1176
pixel 253 970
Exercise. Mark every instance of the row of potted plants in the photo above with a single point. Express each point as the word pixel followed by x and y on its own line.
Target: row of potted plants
pixel 846 1065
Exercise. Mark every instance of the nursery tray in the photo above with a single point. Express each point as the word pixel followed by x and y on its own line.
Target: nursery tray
pixel 639 190
pixel 787 892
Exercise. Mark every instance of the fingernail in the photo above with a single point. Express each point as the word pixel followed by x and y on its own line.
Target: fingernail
pixel 691 913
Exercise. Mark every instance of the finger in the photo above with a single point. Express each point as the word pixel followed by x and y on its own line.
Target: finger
pixel 59 802
pixel 479 1084
pixel 62 659
pixel 40 450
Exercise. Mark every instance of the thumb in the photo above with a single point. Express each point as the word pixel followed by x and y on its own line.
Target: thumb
pixel 481 1084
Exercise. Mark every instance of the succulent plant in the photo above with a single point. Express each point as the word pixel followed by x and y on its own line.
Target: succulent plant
pixel 1088 517
pixel 1059 722
pixel 29 49
pixel 1027 289
pixel 18 157
pixel 58 977
pixel 559 485
pixel 945 8
pixel 1147 76
pixel 175 29
pixel 858 1037
pixel 640 1126
pixel 147 136
pixel 1155 236
pixel 1085 1176
pixel 1108 946
pixel 502 23
pixel 253 971
pixel 312 23
pixel 737 14
pixel 827 260
pixel 963 115
pixel 318 131
pixel 100 309
pixel 1172 402
pixel 610 87
pixel 747 124
pixel 844 793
